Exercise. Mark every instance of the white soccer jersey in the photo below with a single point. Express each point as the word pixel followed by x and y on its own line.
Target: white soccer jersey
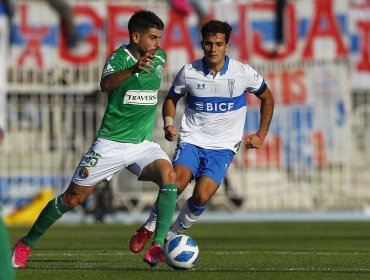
pixel 216 105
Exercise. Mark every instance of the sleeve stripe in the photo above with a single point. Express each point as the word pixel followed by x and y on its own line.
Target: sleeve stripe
pixel 172 92
pixel 261 89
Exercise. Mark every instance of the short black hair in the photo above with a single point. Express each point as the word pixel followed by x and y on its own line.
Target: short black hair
pixel 215 26
pixel 143 20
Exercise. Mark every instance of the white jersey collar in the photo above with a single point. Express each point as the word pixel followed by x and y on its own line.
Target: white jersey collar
pixel 223 70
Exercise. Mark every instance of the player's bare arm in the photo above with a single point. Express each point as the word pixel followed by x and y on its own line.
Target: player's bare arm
pixel 168 113
pixel 114 80
pixel 255 141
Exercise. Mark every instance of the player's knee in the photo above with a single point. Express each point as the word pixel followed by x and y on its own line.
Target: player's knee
pixel 182 183
pixel 70 201
pixel 171 177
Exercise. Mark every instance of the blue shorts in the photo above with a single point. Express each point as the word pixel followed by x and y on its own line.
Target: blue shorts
pixel 203 162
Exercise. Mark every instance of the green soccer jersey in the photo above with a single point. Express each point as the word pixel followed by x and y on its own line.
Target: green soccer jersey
pixel 131 109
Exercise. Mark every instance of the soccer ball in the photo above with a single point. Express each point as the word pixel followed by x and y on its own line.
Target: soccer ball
pixel 181 252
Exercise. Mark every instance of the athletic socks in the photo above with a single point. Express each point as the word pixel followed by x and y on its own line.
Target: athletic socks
pixel 152 220
pixel 48 216
pixel 189 214
pixel 166 205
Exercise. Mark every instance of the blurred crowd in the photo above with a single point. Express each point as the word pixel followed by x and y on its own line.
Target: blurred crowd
pixel 64 11
pixel 67 23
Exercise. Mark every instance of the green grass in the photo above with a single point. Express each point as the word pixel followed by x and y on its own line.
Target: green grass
pixel 227 251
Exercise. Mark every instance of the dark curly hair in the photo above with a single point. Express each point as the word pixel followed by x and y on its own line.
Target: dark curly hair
pixel 215 26
pixel 142 20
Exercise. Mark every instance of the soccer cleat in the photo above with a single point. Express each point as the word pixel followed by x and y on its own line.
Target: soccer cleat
pixel 21 254
pixel 154 255
pixel 139 239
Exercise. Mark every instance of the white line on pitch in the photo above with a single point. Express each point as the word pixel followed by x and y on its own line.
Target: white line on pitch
pixel 292 269
pixel 212 253
pixel 287 253
pixel 81 254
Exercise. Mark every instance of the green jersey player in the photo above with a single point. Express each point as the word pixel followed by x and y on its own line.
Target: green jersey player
pixel 131 111
pixel 6 270
pixel 131 76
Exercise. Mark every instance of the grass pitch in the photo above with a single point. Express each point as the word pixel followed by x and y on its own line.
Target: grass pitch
pixel 302 250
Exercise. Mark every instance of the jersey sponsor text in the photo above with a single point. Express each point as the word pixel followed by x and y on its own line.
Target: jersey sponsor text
pixel 141 97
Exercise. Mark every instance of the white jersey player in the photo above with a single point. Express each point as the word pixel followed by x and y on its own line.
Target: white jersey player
pixel 215 106
pixel 212 125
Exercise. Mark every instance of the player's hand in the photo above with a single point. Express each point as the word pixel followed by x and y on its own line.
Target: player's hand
pixel 170 133
pixel 144 62
pixel 252 142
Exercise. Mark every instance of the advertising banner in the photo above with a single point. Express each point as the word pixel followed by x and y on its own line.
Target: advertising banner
pixel 313 30
pixel 311 123
pixel 359 30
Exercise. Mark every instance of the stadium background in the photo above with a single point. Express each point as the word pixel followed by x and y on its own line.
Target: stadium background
pixel 317 154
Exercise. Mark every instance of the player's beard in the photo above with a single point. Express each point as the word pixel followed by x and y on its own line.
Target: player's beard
pixel 144 51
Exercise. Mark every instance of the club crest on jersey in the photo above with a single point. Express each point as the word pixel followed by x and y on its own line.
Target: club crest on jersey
pixel 201 86
pixel 231 83
pixel 83 173
pixel 159 71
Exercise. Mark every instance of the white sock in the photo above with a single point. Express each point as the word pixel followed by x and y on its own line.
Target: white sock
pixel 189 214
pixel 152 220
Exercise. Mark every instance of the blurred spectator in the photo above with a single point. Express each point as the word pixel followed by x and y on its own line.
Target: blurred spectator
pixel 279 26
pixel 5 18
pixel 9 7
pixel 67 25
pixel 201 7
